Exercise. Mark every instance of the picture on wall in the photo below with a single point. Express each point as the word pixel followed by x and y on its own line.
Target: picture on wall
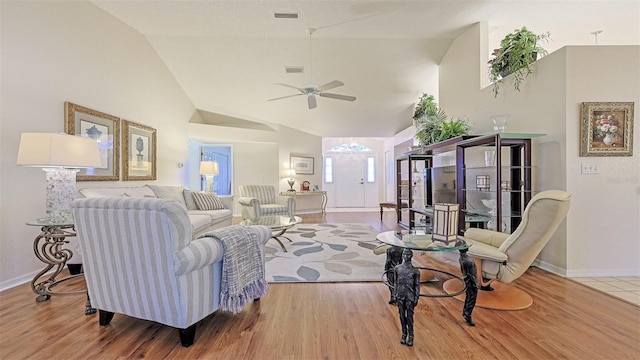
pixel 139 147
pixel 302 165
pixel 606 129
pixel 105 130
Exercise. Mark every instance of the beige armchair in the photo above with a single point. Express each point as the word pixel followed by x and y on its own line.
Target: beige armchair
pixel 261 200
pixel 505 257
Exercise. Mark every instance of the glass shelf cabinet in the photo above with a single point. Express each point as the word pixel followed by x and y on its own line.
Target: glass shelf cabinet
pixel 495 173
pixel 410 194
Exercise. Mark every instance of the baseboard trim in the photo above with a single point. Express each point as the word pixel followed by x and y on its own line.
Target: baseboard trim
pixel 603 273
pixel 550 268
pixel 6 285
pixel 586 272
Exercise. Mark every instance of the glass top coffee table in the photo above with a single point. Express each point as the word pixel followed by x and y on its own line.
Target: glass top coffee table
pixel 422 242
pixel 277 223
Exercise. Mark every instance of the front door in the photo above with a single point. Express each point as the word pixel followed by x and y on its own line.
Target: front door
pixel 350 171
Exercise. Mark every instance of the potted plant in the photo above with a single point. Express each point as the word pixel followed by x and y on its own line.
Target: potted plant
pixel 432 125
pixel 517 51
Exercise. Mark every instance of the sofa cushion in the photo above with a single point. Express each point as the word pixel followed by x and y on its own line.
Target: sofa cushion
pixel 188 199
pixel 102 192
pixel 169 192
pixel 139 192
pixel 207 200
pixel 199 222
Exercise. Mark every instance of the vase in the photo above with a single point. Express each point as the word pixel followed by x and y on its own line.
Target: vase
pixel 608 139
pixel 499 123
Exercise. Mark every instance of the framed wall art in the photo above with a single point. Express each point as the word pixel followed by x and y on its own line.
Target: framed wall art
pixel 101 127
pixel 606 129
pixel 139 147
pixel 302 165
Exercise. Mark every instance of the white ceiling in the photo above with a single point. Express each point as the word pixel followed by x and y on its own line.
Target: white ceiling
pixel 227 55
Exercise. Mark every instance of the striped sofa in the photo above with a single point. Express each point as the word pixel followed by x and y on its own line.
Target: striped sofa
pixel 140 259
pixel 261 200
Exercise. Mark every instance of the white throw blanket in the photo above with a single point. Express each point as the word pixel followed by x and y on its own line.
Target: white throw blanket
pixel 243 278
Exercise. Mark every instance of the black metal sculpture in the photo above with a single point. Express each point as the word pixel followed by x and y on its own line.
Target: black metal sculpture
pixel 407 291
pixel 469 270
pixel 394 257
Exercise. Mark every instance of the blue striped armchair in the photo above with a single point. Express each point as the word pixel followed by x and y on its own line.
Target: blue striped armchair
pixel 262 200
pixel 141 260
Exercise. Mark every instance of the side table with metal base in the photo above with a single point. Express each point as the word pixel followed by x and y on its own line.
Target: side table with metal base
pixel 48 247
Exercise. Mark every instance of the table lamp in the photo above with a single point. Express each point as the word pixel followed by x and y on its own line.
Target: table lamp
pixel 209 169
pixel 445 222
pixel 60 156
pixel 291 173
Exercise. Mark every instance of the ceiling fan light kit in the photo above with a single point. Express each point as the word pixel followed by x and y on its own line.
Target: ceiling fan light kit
pixel 312 90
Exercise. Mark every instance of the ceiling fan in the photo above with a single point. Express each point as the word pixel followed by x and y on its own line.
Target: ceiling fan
pixel 311 90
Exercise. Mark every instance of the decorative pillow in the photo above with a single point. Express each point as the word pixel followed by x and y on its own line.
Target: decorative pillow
pixel 188 199
pixel 169 192
pixel 207 200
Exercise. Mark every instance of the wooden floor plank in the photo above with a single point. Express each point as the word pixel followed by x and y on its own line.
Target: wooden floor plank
pixel 338 321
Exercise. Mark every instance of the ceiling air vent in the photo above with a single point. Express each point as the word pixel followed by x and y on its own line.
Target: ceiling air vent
pixel 286 15
pixel 294 69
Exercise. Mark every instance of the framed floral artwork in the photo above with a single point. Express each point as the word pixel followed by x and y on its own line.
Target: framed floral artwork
pixel 139 148
pixel 606 129
pixel 104 129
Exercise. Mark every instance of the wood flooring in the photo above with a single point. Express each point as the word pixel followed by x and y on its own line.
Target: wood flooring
pixel 337 321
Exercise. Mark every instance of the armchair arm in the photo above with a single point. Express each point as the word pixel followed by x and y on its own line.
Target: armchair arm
pixel 489 237
pixel 486 252
pixel 250 207
pixel 288 201
pixel 199 253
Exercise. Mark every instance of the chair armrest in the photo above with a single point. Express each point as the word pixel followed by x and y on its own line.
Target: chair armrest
pixel 288 201
pixel 250 207
pixel 248 201
pixel 487 252
pixel 199 253
pixel 489 237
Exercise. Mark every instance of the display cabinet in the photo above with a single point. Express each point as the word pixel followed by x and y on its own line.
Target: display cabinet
pixel 409 188
pixel 494 173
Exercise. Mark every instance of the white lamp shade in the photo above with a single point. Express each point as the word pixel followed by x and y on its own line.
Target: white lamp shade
pixel 57 150
pixel 291 172
pixel 209 168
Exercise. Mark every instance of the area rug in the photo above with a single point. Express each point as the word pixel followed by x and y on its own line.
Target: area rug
pixel 325 253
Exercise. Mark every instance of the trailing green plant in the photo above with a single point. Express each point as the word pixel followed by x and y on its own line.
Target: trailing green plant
pixel 432 125
pixel 517 51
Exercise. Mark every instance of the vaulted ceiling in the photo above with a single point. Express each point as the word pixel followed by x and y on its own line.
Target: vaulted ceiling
pixel 228 55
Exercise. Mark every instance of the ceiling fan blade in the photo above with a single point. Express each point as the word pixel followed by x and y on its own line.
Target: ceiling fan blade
pixel 338 96
pixel 290 86
pixel 330 85
pixel 311 101
pixel 284 97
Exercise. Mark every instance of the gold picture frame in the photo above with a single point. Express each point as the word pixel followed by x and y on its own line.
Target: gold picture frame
pixel 139 147
pixel 606 129
pixel 103 128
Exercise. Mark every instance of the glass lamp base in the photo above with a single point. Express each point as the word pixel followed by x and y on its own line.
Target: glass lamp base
pixel 61 191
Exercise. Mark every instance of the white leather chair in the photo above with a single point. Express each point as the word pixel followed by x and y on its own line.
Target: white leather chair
pixel 503 258
pixel 261 200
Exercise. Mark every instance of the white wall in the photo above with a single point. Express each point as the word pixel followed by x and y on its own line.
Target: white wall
pixel 549 103
pixel 262 156
pixel 604 227
pixel 81 54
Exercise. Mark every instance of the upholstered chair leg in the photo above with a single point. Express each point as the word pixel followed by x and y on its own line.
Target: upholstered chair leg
pixel 485 285
pixel 105 317
pixel 188 335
